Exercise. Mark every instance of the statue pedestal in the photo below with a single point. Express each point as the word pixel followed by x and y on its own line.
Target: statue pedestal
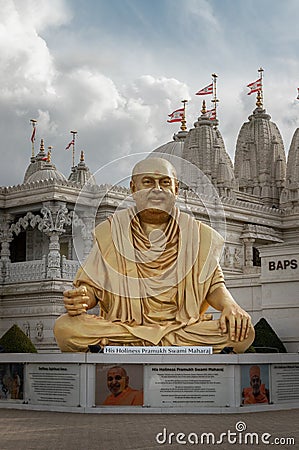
pixel 170 383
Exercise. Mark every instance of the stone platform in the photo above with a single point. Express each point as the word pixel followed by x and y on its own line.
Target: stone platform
pixel 180 383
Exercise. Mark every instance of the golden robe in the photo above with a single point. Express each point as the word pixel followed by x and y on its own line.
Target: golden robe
pixel 152 290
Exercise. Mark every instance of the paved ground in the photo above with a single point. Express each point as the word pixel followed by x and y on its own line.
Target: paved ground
pixel 26 430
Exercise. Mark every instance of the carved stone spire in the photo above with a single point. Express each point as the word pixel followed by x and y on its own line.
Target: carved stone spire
pixel 260 162
pixel 204 147
pixel 290 195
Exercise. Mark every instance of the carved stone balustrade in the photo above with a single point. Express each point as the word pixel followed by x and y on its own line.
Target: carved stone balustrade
pixel 69 268
pixel 19 272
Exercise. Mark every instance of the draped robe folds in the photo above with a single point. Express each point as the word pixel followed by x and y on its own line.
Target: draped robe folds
pixel 152 290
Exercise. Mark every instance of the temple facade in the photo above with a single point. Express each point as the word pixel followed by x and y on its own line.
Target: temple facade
pixel 259 197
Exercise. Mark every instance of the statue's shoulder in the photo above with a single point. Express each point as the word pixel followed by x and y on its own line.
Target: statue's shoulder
pixel 188 219
pixel 206 231
pixel 102 227
pixel 103 231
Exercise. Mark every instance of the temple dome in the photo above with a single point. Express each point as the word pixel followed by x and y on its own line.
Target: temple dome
pixel 81 173
pixel 41 168
pixel 172 151
pixel 174 147
pixel 47 172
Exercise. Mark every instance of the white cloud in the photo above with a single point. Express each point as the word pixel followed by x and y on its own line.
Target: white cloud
pixel 42 14
pixel 117 93
pixel 27 67
pixel 204 12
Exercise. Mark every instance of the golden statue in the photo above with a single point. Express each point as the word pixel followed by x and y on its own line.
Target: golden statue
pixel 154 271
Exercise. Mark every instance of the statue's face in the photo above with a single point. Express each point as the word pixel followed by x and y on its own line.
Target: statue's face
pixel 155 190
pixel 117 380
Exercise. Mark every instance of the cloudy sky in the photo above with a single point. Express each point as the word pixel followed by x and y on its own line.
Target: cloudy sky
pixel 113 70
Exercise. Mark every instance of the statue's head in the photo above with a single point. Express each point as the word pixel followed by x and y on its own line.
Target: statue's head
pixel 154 186
pixel 117 380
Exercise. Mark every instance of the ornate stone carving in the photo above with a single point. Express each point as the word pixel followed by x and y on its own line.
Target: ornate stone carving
pixel 226 257
pixel 237 258
pixel 26 271
pixel 5 238
pixel 39 331
pixel 54 258
pixel 29 219
pixel 69 268
pixel 26 328
pixel 54 218
pixel 248 251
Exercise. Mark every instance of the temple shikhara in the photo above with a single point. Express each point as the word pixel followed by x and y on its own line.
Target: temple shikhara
pixel 259 193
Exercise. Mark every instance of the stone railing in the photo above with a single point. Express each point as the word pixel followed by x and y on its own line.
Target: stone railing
pixel 19 272
pixel 69 268
pixel 26 271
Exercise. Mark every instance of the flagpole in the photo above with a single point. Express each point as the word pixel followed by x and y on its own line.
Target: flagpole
pixel 260 93
pixel 73 145
pixel 183 121
pixel 215 100
pixel 33 123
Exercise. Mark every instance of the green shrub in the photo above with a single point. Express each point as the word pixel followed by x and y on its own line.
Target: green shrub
pixel 266 340
pixel 15 341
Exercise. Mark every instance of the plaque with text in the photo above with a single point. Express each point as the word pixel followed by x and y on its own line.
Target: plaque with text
pixel 53 384
pixel 285 383
pixel 188 385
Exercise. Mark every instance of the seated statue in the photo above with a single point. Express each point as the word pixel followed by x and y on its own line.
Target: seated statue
pixel 154 271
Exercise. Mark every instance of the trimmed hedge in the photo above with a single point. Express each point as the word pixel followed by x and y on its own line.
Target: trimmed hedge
pixel 266 340
pixel 15 341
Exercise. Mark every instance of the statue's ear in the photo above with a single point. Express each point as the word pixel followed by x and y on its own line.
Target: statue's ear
pixel 132 186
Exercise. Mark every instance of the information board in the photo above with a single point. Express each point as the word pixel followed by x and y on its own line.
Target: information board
pixel 285 383
pixel 53 384
pixel 188 385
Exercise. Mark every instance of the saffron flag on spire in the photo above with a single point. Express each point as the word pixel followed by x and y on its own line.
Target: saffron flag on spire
pixel 33 134
pixel 176 116
pixel 211 114
pixel 71 143
pixel 206 90
pixel 255 86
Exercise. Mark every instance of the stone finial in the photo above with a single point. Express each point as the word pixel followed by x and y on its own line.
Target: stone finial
pixel 203 109
pixel 259 99
pixel 42 146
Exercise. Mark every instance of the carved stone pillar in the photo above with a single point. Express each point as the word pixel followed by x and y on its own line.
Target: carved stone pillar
pixel 248 242
pixel 89 223
pixel 54 258
pixel 54 219
pixel 6 237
